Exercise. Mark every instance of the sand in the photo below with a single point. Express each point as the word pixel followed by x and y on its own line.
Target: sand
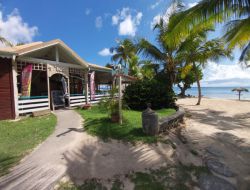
pixel 223 125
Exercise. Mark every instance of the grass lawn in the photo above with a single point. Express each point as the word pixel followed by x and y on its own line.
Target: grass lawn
pixel 17 138
pixel 97 123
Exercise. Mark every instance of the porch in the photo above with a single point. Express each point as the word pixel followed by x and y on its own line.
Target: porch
pixel 50 75
pixel 47 88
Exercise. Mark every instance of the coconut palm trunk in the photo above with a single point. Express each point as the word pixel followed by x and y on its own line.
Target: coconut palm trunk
pixel 198 84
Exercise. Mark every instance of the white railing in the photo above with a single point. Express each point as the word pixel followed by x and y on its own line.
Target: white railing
pixel 33 105
pixel 77 101
pixel 98 98
pixel 81 100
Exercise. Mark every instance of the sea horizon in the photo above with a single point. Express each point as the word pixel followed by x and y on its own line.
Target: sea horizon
pixel 216 92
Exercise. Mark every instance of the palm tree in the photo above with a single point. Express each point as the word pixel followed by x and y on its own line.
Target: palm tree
pixel 199 52
pixel 235 13
pixel 148 69
pixel 124 51
pixel 171 43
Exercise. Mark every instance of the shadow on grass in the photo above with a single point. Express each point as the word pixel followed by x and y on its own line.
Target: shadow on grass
pixel 6 162
pixel 105 129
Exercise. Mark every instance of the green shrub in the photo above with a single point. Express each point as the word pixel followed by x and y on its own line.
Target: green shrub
pixel 156 92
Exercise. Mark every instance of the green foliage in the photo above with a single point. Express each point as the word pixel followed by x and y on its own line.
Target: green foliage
pixel 97 124
pixel 124 51
pixel 186 77
pixel 110 104
pixel 235 14
pixel 17 138
pixel 117 185
pixel 170 177
pixel 156 92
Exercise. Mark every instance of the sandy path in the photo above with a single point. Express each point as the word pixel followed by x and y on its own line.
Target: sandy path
pixel 225 126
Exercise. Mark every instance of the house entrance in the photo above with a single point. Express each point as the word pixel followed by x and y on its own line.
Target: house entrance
pixel 59 95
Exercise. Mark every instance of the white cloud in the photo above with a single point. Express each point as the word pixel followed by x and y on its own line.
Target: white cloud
pixel 105 52
pixel 156 4
pixel 98 22
pixel 225 75
pixel 87 11
pixel 171 9
pixel 14 29
pixel 155 20
pixel 189 5
pixel 115 19
pixel 127 20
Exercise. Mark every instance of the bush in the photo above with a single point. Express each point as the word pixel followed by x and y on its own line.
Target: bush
pixel 155 91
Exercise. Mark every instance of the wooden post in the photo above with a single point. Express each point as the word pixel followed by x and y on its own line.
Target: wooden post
pixel 68 91
pixel 15 89
pixel 120 99
pixel 48 85
pixel 86 86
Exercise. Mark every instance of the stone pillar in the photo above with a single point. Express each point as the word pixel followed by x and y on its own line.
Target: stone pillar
pixel 150 122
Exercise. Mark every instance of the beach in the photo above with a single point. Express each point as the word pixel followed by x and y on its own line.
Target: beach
pixel 216 92
pixel 224 126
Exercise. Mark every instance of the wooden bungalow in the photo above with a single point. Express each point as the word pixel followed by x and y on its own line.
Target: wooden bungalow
pixel 58 77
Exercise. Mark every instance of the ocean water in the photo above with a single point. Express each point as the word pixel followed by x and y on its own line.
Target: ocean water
pixel 217 92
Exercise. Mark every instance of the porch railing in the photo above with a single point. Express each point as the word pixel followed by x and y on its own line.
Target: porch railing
pixel 98 98
pixel 32 105
pixel 78 100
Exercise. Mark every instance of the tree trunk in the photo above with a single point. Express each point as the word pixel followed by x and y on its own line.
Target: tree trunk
pixel 199 91
pixel 198 84
pixel 183 90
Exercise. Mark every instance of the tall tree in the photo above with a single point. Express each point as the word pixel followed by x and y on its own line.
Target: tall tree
pixel 124 51
pixel 186 76
pixel 235 13
pixel 169 44
pixel 199 52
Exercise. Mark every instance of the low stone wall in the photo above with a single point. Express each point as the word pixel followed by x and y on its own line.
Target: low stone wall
pixel 171 121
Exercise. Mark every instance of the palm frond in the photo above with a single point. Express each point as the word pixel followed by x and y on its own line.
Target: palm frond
pixel 238 32
pixel 5 42
pixel 245 56
pixel 150 51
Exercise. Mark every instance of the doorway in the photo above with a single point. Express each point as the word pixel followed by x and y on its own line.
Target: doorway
pixel 59 97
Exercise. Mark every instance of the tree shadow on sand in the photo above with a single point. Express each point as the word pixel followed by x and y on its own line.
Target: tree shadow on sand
pixel 218 119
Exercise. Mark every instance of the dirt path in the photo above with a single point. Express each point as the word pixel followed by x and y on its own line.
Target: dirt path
pixel 46 165
pixel 220 130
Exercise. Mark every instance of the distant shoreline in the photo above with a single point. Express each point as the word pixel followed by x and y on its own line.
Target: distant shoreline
pixel 216 92
pixel 212 98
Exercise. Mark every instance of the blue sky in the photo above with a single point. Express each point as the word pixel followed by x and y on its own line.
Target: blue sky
pixel 88 27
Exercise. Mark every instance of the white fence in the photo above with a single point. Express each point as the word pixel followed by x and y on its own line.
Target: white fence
pixel 81 100
pixel 77 100
pixel 33 105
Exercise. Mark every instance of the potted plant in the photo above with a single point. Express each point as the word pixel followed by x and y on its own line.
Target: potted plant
pixel 114 110
pixel 110 105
